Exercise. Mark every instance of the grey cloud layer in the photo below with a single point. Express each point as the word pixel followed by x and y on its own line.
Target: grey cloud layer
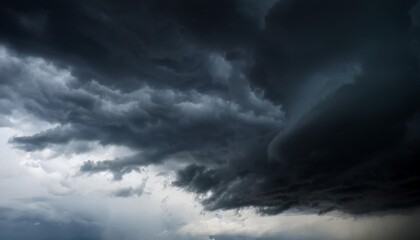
pixel 200 85
pixel 24 224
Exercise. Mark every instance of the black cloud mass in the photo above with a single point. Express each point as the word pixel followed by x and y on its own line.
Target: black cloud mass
pixel 288 104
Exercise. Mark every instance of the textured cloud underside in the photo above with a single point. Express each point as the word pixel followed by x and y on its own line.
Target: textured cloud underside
pixel 267 104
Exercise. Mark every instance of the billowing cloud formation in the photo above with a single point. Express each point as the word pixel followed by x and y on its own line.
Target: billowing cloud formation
pixel 271 104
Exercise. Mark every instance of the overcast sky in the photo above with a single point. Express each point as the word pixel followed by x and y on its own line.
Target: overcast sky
pixel 210 120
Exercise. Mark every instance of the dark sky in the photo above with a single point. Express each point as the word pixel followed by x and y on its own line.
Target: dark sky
pixel 277 105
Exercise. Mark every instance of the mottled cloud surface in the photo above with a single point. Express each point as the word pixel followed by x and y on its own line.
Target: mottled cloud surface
pixel 288 104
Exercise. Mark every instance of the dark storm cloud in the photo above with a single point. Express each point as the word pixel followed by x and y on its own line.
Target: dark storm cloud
pixel 349 146
pixel 200 84
pixel 159 42
pixel 159 124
